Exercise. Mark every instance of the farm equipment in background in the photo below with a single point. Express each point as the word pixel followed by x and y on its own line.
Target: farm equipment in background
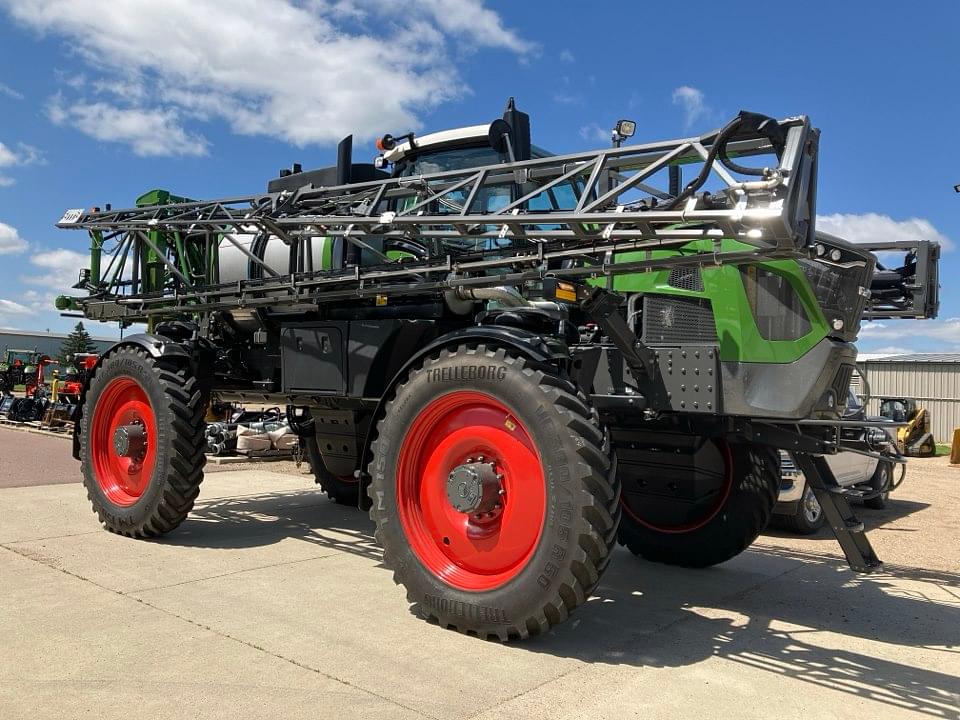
pixel 497 350
pixel 255 433
pixel 52 401
pixel 16 367
pixel 36 400
pixel 75 377
pixel 915 438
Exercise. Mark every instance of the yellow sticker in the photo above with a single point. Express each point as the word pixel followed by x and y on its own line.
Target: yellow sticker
pixel 510 424
pixel 381 300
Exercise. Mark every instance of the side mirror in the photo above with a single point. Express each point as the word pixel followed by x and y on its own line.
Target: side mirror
pixel 499 136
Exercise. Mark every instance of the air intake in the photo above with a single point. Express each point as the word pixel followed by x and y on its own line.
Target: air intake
pixel 677 321
pixel 686 278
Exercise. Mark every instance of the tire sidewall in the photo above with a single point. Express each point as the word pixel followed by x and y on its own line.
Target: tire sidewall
pixel 509 382
pixel 136 365
pixel 802 519
pixel 884 470
pixel 745 513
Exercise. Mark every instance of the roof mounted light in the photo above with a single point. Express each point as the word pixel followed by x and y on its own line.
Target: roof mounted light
pixel 622 130
pixel 626 128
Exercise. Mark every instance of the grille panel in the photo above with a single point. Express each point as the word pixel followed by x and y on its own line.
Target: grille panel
pixel 686 278
pixel 677 321
pixel 841 383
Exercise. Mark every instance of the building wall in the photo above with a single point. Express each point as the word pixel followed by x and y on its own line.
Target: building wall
pixel 934 385
pixel 46 343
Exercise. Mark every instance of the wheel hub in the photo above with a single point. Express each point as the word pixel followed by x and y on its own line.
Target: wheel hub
pixel 130 441
pixel 474 487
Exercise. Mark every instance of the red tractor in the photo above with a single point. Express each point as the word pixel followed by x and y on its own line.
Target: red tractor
pixel 69 387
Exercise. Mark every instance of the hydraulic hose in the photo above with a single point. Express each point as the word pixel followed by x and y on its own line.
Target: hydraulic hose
pixel 753 121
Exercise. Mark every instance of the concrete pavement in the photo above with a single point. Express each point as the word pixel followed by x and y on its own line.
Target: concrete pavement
pixel 270 602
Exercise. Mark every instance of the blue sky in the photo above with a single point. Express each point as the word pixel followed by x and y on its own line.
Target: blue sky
pixel 101 100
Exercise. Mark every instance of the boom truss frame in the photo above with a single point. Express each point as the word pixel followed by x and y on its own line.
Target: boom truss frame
pixel 617 209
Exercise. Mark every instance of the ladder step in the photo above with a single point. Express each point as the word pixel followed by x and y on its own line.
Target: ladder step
pixel 846 526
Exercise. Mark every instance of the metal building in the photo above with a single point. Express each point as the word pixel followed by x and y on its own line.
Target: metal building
pixel 932 379
pixel 46 343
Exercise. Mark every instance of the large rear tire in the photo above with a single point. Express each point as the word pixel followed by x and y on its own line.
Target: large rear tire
pixel 492 493
pixel 142 442
pixel 724 522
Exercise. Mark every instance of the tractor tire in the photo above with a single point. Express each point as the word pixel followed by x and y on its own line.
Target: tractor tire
pixel 342 490
pixel 493 493
pixel 748 481
pixel 142 483
pixel 808 518
pixel 880 483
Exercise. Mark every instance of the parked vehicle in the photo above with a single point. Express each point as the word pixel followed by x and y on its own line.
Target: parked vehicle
pixel 499 351
pixel 867 479
pixel 915 438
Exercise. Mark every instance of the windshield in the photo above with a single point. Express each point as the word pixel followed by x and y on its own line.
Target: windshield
pixel 452 159
pixel 490 198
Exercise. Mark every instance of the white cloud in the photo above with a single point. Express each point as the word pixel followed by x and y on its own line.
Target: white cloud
pixel 873 227
pixel 567 56
pixel 306 71
pixel 567 98
pixel 61 266
pixel 11 313
pixel 9 307
pixel 693 102
pixel 468 18
pixel 10 240
pixel 23 155
pixel 10 92
pixel 149 132
pixel 891 350
pixel 592 132
pixel 928 333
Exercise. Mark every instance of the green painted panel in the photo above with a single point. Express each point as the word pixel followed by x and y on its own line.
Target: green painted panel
pixel 737 331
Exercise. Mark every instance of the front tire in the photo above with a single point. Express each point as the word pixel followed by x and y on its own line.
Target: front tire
pixel 492 493
pixel 880 483
pixel 142 442
pixel 722 524
pixel 808 518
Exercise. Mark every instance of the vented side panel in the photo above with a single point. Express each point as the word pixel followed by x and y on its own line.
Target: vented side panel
pixel 686 278
pixel 841 383
pixel 677 321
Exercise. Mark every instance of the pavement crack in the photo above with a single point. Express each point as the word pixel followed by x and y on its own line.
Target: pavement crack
pixel 228 574
pixel 633 637
pixel 222 634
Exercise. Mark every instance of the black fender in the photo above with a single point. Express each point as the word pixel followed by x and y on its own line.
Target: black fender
pixel 156 345
pixel 524 342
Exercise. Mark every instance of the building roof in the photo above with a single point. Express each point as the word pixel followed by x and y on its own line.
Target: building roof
pixel 57 335
pixel 916 358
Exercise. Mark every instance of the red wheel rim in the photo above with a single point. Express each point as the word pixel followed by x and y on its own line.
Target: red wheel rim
pixel 707 516
pixel 454 546
pixel 122 479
